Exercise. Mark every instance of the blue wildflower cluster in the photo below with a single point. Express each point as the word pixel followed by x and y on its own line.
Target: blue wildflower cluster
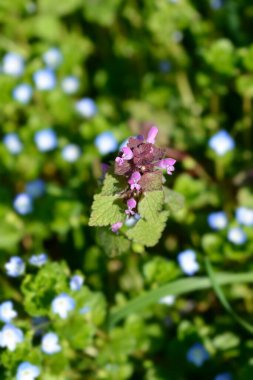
pixel 70 302
pixel 236 231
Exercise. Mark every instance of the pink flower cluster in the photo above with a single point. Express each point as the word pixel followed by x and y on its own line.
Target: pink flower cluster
pixel 140 163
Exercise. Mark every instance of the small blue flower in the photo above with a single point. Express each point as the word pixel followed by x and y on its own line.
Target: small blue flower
pixel 13 143
pixel 46 140
pixel 188 262
pixel 237 236
pixel 15 267
pixel 216 4
pixel 85 310
pixel 13 64
pixel 10 337
pixel 223 376
pixel 221 143
pixel 177 36
pixel 27 371
pixel 31 7
pixel 44 79
pixel 62 305
pixel 217 220
pixel 86 107
pixel 70 84
pixel 76 282
pixel 167 300
pixel 164 66
pixel 50 344
pixel 35 188
pixel 23 204
pixel 7 313
pixel 106 143
pixel 130 222
pixel 38 260
pixel 52 58
pixel 197 354
pixel 244 216
pixel 71 152
pixel 22 93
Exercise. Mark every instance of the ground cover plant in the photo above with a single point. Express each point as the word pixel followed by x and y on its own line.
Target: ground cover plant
pixel 126 197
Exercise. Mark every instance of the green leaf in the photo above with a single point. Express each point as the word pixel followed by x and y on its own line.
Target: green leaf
pixel 44 26
pixel 226 341
pixel 112 185
pixel 221 56
pixel 151 204
pixel 151 181
pixel 101 12
pixel 39 290
pixel 173 200
pixel 112 244
pixel 176 288
pixel 106 210
pixel 148 232
pixel 59 8
pixel 221 296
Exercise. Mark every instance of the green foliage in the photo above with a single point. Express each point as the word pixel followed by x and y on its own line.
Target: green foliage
pixel 148 232
pixel 107 207
pixel 106 210
pixel 113 245
pixel 187 67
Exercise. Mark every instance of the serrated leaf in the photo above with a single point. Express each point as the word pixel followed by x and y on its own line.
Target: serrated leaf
pixel 173 200
pixel 106 210
pixel 148 232
pixel 112 185
pixel 151 181
pixel 113 244
pixel 151 204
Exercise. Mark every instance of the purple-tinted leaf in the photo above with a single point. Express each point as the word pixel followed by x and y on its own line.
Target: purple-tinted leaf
pixel 151 181
pixel 123 169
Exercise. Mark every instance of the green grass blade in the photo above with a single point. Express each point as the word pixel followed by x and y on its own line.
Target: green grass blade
pixel 220 295
pixel 176 288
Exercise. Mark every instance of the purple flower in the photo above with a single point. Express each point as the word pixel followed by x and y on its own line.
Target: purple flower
pixel 152 135
pixel 104 168
pixel 139 162
pixel 131 203
pixel 133 181
pixel 116 226
pixel 127 155
pixel 167 164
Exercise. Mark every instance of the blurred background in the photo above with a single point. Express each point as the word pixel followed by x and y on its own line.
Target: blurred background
pixel 77 78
